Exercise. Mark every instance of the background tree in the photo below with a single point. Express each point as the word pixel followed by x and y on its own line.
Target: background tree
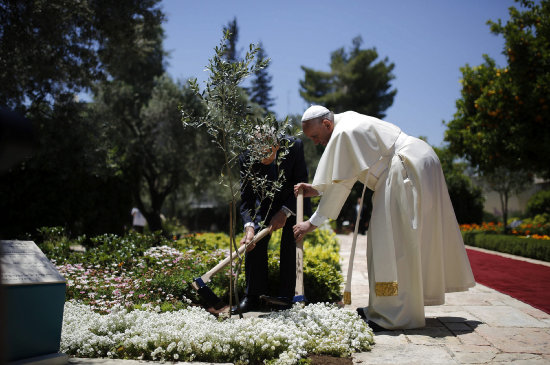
pixel 501 123
pixel 507 183
pixel 43 46
pixel 231 53
pixel 539 204
pixel 466 197
pixel 261 87
pixel 527 47
pixel 312 152
pixel 54 49
pixel 355 82
pixel 63 181
pixel 66 49
pixel 164 155
pixel 134 60
pixel 502 116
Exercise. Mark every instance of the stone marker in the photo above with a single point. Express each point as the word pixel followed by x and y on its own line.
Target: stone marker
pixel 34 297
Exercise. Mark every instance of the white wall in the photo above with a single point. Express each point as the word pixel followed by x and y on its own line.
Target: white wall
pixel 516 203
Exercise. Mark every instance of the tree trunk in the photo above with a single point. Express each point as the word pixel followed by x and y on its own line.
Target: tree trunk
pixel 504 207
pixel 152 215
pixel 154 221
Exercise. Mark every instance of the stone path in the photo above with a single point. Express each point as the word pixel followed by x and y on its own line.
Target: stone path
pixel 480 326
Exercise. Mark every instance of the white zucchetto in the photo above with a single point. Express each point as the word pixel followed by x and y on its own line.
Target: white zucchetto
pixel 314 111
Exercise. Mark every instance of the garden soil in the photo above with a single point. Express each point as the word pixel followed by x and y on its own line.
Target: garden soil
pixel 329 360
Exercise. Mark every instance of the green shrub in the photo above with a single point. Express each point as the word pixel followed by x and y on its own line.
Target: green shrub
pixel 540 220
pixel 520 246
pixel 322 277
pixel 323 254
pixel 115 270
pixel 539 203
pixel 109 249
pixel 56 244
pixel 206 241
pixel 216 240
pixel 490 217
pixel 322 282
pixel 320 245
pixel 174 227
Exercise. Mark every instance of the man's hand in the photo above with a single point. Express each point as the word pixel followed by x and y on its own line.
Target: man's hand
pixel 247 238
pixel 278 220
pixel 308 190
pixel 301 229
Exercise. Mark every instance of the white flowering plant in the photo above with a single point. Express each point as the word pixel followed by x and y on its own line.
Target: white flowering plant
pixel 192 334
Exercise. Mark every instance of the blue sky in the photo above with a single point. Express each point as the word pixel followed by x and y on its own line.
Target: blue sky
pixel 427 40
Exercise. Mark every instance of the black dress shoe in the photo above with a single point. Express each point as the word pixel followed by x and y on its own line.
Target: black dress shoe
pixel 247 304
pixel 282 305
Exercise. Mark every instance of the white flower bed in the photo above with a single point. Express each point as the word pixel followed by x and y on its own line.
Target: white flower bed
pixel 194 335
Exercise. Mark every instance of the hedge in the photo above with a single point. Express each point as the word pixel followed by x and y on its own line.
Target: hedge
pixel 519 246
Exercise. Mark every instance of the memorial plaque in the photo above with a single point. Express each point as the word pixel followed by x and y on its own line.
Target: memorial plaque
pixel 23 263
pixel 34 294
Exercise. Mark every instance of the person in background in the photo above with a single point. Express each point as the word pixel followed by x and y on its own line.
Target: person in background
pixel 138 220
pixel 363 220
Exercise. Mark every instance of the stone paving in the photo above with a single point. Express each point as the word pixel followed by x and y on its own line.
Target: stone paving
pixel 480 326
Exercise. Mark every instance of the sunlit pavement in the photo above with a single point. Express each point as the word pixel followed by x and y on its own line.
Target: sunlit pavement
pixel 480 326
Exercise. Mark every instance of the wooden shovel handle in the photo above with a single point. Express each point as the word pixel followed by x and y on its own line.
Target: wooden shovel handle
pixel 206 277
pixel 299 289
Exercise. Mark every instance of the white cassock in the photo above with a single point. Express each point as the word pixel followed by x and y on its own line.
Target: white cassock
pixel 414 247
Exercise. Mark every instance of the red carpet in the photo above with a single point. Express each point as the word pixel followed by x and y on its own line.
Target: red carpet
pixel 522 280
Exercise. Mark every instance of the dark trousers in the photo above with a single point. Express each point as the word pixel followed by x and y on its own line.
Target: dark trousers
pixel 256 265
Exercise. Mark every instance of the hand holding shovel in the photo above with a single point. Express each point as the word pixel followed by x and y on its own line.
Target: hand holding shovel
pixel 215 304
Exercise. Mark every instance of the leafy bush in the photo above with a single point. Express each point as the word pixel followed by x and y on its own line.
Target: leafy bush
pixel 539 203
pixel 520 246
pixel 108 249
pixel 138 270
pixel 466 198
pixel 322 277
pixel 319 245
pixel 55 243
pixel 174 227
pixel 322 282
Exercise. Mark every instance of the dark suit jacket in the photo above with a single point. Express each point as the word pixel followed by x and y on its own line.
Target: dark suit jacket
pixel 294 169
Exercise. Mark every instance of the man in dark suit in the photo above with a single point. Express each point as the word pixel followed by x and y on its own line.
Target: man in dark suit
pixel 277 212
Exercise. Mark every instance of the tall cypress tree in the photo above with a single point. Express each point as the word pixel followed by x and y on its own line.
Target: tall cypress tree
pixel 230 53
pixel 261 83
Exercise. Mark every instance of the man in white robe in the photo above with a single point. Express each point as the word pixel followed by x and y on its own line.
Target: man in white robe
pixel 415 250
